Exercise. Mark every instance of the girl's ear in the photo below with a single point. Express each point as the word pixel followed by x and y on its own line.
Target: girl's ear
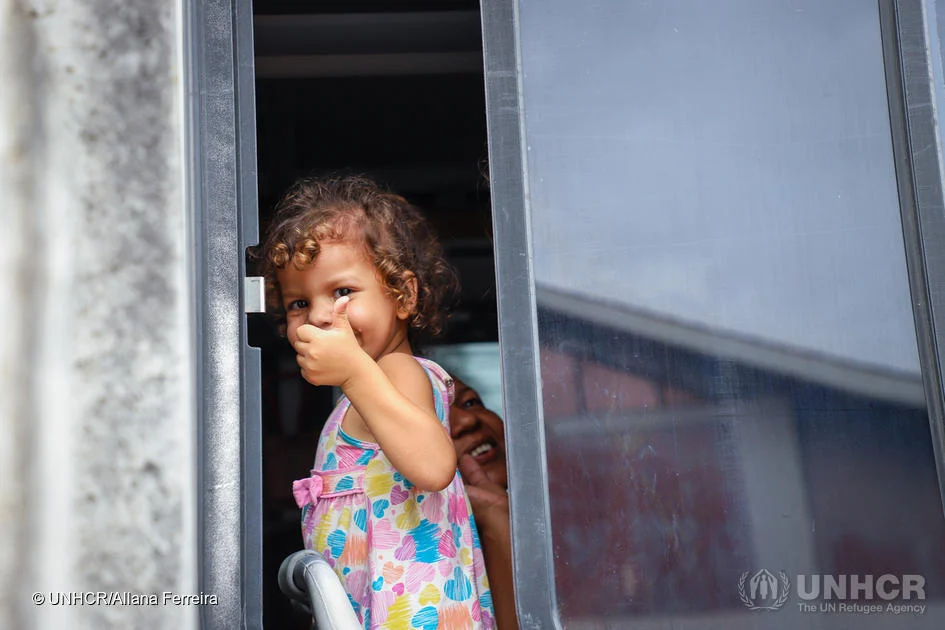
pixel 407 304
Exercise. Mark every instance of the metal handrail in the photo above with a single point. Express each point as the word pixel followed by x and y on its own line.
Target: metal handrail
pixel 306 577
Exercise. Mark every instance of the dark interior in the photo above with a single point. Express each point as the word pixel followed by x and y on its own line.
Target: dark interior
pixel 393 90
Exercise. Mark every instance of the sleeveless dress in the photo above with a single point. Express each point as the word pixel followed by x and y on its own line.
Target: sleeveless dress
pixel 407 559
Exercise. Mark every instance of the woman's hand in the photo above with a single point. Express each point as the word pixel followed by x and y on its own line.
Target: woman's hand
pixel 490 501
pixel 490 504
pixel 326 355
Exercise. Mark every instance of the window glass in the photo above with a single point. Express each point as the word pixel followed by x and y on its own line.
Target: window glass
pixel 733 407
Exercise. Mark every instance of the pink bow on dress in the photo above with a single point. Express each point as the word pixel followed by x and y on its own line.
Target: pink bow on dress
pixel 307 490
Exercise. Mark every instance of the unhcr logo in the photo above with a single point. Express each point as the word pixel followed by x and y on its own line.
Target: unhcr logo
pixel 763 591
pixel 886 587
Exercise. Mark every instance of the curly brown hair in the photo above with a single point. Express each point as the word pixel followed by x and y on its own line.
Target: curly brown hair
pixel 396 237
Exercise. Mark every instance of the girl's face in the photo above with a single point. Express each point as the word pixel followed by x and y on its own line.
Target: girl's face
pixel 343 268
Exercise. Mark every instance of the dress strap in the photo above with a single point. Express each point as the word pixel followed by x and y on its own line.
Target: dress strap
pixel 444 390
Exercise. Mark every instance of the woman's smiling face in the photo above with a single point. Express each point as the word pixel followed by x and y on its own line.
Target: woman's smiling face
pixel 478 431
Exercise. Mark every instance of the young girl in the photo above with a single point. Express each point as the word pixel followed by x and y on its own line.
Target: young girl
pixel 357 273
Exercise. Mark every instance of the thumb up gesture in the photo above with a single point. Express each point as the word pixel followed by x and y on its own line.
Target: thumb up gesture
pixel 325 354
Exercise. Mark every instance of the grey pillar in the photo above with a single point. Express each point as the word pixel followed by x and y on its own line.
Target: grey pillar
pixel 97 398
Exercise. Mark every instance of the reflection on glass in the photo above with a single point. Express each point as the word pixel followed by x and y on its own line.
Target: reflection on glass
pixel 731 386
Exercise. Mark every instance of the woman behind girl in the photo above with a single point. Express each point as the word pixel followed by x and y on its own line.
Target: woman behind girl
pixel 356 273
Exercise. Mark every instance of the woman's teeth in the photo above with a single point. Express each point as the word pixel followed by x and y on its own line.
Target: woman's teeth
pixel 479 450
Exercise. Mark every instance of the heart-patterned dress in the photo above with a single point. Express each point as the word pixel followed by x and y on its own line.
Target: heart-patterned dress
pixel 407 559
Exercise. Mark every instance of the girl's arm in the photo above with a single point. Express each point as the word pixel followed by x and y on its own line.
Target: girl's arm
pixel 391 399
pixel 394 399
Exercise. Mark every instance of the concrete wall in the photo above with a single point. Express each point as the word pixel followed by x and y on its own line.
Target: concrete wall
pixel 97 420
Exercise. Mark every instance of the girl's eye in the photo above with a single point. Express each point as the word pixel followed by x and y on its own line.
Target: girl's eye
pixel 340 293
pixel 296 305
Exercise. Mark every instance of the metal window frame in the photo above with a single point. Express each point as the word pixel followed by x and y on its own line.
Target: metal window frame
pixel 221 160
pixel 912 49
pixel 533 560
pixel 220 139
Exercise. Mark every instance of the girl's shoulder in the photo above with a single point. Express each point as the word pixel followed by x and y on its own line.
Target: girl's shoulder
pixel 408 377
pixel 401 364
pixel 400 367
pixel 444 392
pixel 438 377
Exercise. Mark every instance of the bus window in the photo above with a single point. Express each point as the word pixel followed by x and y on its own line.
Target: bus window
pixel 722 365
pixel 395 91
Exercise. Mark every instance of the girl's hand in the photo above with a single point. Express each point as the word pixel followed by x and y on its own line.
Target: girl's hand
pixel 326 355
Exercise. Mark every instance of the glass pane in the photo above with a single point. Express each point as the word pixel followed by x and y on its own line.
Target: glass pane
pixel 731 381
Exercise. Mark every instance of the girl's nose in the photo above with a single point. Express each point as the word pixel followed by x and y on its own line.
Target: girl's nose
pixel 462 420
pixel 321 314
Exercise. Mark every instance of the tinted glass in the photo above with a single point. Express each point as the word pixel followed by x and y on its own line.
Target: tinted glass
pixel 732 397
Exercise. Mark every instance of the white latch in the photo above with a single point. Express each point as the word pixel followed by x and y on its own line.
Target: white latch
pixel 254 294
